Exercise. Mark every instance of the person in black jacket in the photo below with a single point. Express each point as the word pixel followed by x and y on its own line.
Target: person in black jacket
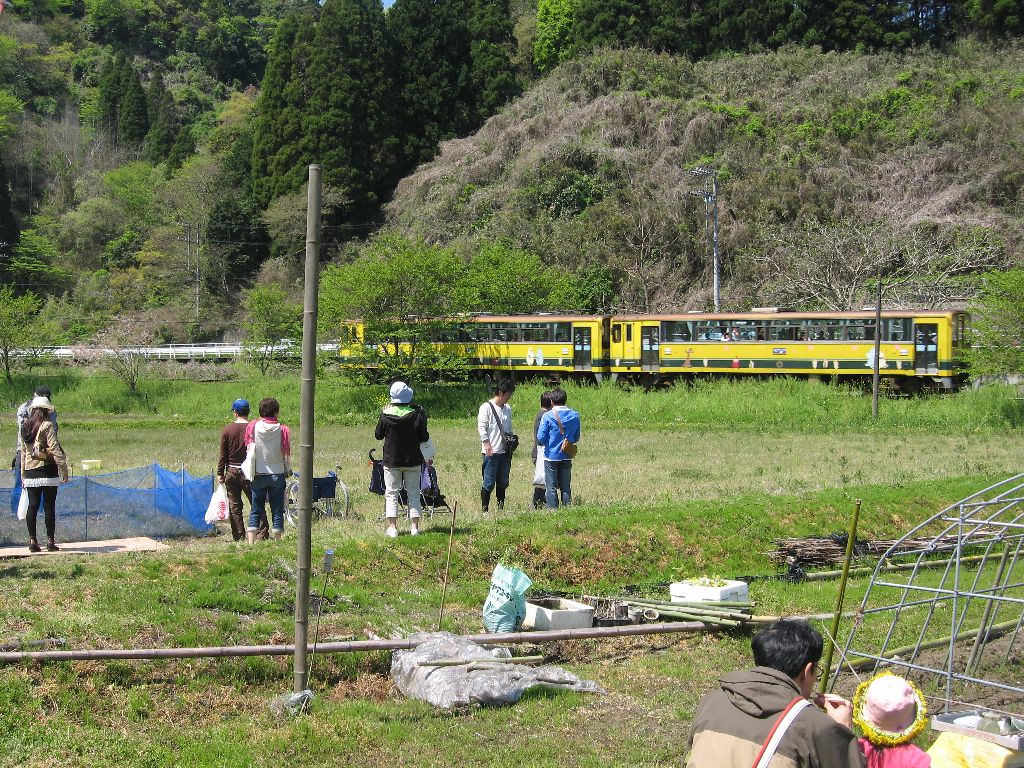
pixel 403 427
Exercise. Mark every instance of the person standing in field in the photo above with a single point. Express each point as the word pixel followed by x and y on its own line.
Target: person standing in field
pixel 494 425
pixel 272 451
pixel 229 471
pixel 20 415
pixel 403 428
pixel 557 427
pixel 44 466
pixel 537 454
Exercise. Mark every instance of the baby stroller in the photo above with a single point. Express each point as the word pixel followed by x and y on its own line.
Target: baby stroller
pixel 430 492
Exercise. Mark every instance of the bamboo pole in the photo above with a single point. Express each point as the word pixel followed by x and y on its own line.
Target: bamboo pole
pixel 304 554
pixel 351 646
pixel 447 562
pixel 851 537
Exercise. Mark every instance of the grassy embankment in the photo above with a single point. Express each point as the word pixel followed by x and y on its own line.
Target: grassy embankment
pixel 683 482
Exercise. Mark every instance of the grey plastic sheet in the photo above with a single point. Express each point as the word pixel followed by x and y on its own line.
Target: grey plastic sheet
pixel 480 680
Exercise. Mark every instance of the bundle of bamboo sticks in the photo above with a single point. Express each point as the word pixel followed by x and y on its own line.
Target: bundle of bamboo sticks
pixel 721 614
pixel 826 550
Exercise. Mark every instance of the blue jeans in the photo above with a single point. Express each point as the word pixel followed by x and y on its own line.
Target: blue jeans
pixel 496 469
pixel 266 487
pixel 558 477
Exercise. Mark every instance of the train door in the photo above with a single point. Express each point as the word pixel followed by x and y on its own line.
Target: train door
pixel 650 346
pixel 926 348
pixel 582 354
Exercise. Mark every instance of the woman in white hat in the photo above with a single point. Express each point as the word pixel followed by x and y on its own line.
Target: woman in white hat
pixel 44 466
pixel 403 428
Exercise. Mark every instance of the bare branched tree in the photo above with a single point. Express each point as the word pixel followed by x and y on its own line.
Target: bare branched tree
pixel 835 265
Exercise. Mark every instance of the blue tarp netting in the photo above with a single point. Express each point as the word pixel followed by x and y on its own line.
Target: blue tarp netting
pixel 147 501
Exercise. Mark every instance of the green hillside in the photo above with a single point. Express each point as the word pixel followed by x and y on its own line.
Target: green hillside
pixel 830 165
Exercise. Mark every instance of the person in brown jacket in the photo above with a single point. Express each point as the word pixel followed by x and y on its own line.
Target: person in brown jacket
pixel 44 466
pixel 733 722
pixel 229 471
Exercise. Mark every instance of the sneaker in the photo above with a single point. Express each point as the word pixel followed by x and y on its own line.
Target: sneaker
pixel 51 547
pixel 391 533
pixel 414 531
pixel 33 546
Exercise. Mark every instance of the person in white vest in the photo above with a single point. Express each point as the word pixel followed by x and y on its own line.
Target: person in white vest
pixel 272 450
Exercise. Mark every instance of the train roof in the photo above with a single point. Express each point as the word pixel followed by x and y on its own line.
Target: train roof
pixel 858 314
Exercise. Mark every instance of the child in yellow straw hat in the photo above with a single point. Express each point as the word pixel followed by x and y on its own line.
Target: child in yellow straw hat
pixel 890 712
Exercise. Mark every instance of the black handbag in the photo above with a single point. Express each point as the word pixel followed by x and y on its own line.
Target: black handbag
pixel 510 439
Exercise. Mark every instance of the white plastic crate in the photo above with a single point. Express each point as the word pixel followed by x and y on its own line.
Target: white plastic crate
pixel 557 613
pixel 696 591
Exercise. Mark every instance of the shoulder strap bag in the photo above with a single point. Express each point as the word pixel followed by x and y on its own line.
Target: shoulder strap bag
pixel 771 744
pixel 509 439
pixel 568 447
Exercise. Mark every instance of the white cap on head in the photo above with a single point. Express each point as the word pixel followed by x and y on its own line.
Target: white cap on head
pixel 39 401
pixel 401 393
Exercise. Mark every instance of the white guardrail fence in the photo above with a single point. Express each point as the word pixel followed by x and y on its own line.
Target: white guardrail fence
pixel 171 351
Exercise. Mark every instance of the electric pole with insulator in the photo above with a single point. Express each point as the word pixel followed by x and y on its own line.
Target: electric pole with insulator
pixel 710 196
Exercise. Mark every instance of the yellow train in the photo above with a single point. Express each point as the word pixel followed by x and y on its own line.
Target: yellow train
pixel 917 348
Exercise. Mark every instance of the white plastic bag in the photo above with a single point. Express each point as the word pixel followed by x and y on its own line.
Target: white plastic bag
pixel 538 470
pixel 428 450
pixel 249 462
pixel 218 509
pixel 23 504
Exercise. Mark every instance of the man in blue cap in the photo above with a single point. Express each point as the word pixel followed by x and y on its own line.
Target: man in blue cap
pixel 229 471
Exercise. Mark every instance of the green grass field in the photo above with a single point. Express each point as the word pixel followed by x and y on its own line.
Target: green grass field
pixel 679 483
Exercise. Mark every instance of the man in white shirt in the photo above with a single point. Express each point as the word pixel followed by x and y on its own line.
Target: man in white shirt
pixel 494 423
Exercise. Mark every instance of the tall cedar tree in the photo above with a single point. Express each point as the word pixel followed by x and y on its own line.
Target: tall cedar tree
pixel 9 232
pixel 281 146
pixel 184 146
pixel 434 55
pixel 110 91
pixel 493 74
pixel 351 111
pixel 133 121
pixel 163 131
pixel 163 119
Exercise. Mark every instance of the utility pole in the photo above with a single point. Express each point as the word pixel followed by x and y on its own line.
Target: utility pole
pixel 875 373
pixel 710 196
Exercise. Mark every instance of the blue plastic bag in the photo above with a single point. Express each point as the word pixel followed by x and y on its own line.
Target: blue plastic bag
pixel 505 607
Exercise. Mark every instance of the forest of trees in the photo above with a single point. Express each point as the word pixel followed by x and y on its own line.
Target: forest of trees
pixel 153 157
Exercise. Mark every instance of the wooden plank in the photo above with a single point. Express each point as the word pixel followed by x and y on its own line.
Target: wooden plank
pixel 110 546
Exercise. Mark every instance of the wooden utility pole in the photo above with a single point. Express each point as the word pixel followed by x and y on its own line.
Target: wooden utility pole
pixel 305 521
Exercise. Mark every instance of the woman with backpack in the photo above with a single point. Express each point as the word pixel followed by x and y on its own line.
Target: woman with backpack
pixel 44 466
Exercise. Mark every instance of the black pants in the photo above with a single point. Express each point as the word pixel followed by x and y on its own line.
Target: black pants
pixel 49 496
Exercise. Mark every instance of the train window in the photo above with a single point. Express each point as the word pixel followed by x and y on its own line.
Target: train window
pixel 860 330
pixel 536 332
pixel 787 330
pixel 675 330
pixel 616 333
pixel 629 333
pixel 824 330
pixel 710 330
pixel 746 330
pixel 897 330
pixel 563 333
